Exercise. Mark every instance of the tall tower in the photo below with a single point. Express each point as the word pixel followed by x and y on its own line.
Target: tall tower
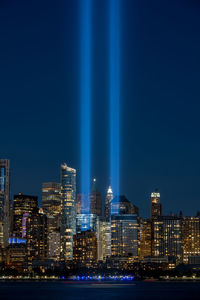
pixel 156 207
pixel 95 200
pixel 107 208
pixel 23 206
pixel 4 201
pixel 51 204
pixel 68 211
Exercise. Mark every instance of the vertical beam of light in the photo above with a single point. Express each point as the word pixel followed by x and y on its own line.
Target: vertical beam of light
pixel 85 102
pixel 114 95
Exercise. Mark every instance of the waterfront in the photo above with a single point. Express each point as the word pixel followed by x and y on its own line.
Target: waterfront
pixel 95 290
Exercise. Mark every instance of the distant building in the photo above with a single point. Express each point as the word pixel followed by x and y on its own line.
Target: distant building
pixel 156 207
pixel 51 204
pixel 122 206
pixel 190 237
pixel 68 219
pixel 16 253
pixel 145 239
pixel 23 206
pixel 167 239
pixel 4 202
pixel 107 208
pixel 36 236
pixel 51 198
pixel 103 233
pixel 85 249
pixel 124 235
pixel 85 221
pixel 95 200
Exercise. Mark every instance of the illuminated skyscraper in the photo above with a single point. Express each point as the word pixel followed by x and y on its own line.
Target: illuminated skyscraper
pixel 95 200
pixel 68 211
pixel 85 248
pixel 103 234
pixel 51 204
pixel 4 201
pixel 167 240
pixel 51 198
pixel 190 237
pixel 36 235
pixel 145 238
pixel 124 235
pixel 156 208
pixel 107 208
pixel 23 206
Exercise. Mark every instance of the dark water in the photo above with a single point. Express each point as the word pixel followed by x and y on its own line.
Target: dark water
pixel 96 291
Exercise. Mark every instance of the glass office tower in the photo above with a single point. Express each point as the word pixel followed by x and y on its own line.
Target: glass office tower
pixel 68 211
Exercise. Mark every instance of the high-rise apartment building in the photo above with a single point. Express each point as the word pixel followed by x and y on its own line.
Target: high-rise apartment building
pixel 4 201
pixel 124 235
pixel 51 198
pixel 23 206
pixel 190 237
pixel 107 207
pixel 36 235
pixel 167 239
pixel 51 204
pixel 95 200
pixel 85 248
pixel 103 233
pixel 145 238
pixel 156 207
pixel 68 211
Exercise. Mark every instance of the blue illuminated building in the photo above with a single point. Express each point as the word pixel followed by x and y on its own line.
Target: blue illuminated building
pixel 85 221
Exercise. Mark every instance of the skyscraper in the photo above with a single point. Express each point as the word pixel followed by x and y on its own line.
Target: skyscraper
pixel 95 200
pixel 23 206
pixel 190 237
pixel 51 204
pixel 167 237
pixel 68 210
pixel 4 201
pixel 107 208
pixel 51 198
pixel 103 234
pixel 36 235
pixel 85 248
pixel 124 235
pixel 156 208
pixel 145 238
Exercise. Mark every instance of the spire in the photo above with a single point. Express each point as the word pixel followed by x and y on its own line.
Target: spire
pixel 94 185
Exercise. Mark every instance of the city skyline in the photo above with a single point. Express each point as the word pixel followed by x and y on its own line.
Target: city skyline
pixel 159 65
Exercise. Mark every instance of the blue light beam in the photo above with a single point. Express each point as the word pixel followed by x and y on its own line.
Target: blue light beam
pixel 114 95
pixel 85 101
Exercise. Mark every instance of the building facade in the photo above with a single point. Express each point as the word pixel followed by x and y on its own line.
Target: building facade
pixel 167 237
pixel 23 206
pixel 68 211
pixel 85 249
pixel 4 202
pixel 124 235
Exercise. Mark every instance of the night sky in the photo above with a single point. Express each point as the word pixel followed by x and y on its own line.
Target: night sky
pixel 160 92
